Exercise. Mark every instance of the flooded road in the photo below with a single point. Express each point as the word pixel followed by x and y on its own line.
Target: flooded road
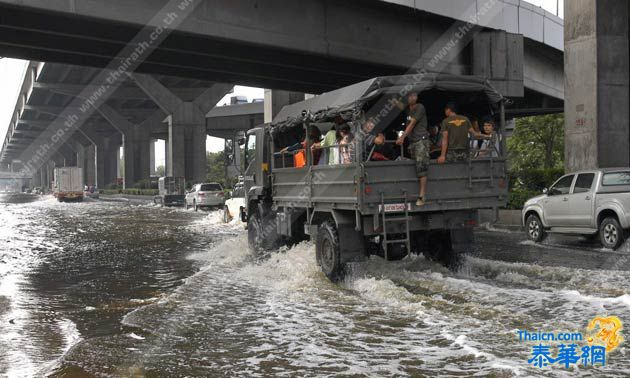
pixel 116 289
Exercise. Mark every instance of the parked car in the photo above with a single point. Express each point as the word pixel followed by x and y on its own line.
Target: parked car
pixel 591 203
pixel 235 205
pixel 209 195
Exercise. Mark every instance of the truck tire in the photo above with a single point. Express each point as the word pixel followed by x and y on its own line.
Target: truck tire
pixel 261 233
pixel 327 252
pixel 535 229
pixel 611 233
pixel 438 246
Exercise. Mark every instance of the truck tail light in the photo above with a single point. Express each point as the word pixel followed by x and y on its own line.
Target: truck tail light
pixel 202 194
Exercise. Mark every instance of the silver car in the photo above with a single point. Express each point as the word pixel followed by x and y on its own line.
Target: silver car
pixel 209 195
pixel 594 203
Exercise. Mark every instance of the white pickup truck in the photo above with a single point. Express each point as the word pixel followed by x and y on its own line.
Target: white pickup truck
pixel 591 203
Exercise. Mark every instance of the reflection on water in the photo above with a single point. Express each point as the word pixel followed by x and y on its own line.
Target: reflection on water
pixel 112 289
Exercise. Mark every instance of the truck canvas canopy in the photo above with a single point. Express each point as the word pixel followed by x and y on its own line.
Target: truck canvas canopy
pixel 474 95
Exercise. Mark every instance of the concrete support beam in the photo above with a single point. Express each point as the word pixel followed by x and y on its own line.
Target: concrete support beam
pixel 597 92
pixel 152 157
pixel 111 151
pixel 186 144
pixel 276 100
pixel 91 165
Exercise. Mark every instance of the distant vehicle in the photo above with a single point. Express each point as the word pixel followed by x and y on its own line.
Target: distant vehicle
pixel 209 195
pixel 235 206
pixel 238 100
pixel 172 191
pixel 591 203
pixel 91 191
pixel 257 100
pixel 68 184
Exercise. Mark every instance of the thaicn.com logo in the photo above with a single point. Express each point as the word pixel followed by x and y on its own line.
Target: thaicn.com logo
pixel 566 349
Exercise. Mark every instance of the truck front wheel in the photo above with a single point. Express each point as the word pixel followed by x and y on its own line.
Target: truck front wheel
pixel 328 253
pixel 261 233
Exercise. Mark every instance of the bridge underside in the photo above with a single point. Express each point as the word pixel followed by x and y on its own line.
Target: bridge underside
pixel 311 46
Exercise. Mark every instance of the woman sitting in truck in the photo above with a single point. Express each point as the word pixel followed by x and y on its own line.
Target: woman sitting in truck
pixel 299 158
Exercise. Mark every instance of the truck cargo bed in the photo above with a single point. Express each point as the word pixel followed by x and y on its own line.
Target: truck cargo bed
pixel 454 186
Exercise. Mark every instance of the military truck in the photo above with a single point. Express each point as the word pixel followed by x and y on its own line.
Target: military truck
pixel 368 207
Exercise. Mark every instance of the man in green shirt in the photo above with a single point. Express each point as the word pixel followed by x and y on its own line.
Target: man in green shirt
pixel 455 131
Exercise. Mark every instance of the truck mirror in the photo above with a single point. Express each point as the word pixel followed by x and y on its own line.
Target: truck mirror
pixel 241 138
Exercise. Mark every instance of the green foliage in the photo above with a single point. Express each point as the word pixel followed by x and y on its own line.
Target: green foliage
pixel 517 198
pixel 135 192
pixel 530 183
pixel 537 142
pixel 216 168
pixel 160 171
pixel 142 184
pixel 536 156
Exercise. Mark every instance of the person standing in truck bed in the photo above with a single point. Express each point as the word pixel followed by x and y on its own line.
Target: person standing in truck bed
pixel 419 143
pixel 455 131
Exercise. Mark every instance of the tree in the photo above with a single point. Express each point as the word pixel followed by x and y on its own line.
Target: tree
pixel 537 142
pixel 160 171
pixel 216 167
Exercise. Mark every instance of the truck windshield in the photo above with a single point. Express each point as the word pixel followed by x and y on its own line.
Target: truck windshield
pixel 210 188
pixel 250 149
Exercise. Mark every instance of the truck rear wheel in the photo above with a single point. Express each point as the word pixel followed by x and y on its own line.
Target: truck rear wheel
pixel 611 233
pixel 535 229
pixel 438 246
pixel 327 252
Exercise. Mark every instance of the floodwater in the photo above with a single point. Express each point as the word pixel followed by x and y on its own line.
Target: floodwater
pixel 119 289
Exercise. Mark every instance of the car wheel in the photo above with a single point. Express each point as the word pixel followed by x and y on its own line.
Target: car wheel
pixel 535 229
pixel 611 233
pixel 327 252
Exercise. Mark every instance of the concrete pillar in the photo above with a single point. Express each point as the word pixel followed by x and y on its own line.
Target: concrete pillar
pixel 596 84
pixel 90 166
pixel 36 181
pixel 275 100
pixel 111 149
pixel 129 159
pixel 152 157
pixel 186 145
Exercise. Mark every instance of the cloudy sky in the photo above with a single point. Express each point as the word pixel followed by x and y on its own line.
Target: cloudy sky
pixel 12 72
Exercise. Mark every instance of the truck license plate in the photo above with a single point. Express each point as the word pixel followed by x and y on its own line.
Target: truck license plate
pixel 394 207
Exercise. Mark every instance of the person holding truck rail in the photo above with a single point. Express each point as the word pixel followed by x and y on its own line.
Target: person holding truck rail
pixel 419 142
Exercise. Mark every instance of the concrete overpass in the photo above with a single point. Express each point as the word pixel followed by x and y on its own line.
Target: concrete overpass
pixel 312 46
pixel 309 46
